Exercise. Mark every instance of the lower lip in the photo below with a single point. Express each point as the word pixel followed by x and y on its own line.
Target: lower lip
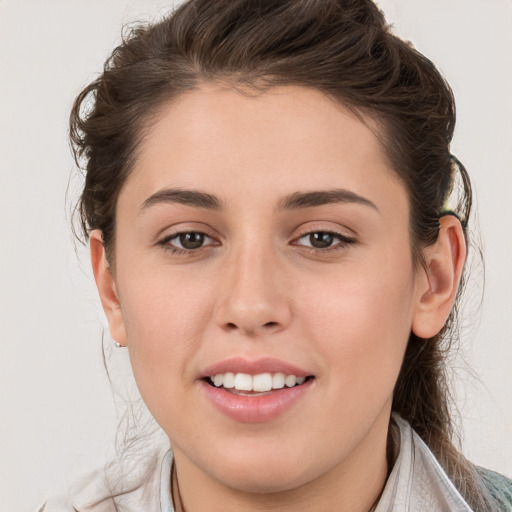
pixel 255 408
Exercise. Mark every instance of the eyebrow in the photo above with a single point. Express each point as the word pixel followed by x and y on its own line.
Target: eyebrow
pixel 193 198
pixel 299 200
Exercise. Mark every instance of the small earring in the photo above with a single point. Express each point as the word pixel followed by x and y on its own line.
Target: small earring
pixel 118 345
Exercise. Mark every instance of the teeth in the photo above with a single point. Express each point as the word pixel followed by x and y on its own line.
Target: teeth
pixel 278 380
pixel 260 383
pixel 290 381
pixel 243 382
pixel 229 380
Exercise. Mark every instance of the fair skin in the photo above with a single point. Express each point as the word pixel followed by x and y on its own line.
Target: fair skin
pixel 255 287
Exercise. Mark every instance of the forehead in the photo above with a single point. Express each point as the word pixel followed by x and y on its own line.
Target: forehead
pixel 232 142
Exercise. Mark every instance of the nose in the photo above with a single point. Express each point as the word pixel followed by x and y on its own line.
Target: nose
pixel 254 299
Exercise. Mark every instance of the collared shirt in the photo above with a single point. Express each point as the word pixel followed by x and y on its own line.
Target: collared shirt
pixel 417 482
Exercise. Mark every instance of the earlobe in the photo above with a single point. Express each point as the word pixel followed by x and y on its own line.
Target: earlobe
pixel 106 288
pixel 438 284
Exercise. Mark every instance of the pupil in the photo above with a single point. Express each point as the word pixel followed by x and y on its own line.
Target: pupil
pixel 321 240
pixel 191 240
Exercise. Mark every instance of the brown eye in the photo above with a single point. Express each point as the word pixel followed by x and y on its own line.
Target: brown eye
pixel 186 241
pixel 324 240
pixel 191 240
pixel 321 240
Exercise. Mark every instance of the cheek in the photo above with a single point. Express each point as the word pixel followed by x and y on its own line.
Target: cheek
pixel 361 322
pixel 163 321
pixel 162 305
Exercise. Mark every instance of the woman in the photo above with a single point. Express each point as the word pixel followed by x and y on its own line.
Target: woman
pixel 269 200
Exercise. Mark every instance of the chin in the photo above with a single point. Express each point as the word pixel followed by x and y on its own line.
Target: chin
pixel 266 473
pixel 257 482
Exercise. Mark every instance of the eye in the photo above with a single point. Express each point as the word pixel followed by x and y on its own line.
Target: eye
pixel 323 240
pixel 186 241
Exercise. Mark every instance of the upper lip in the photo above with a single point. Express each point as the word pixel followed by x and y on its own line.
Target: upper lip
pixel 254 367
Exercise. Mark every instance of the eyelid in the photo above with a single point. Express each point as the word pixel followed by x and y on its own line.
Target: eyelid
pixel 344 238
pixel 173 236
pixel 321 227
pixel 183 228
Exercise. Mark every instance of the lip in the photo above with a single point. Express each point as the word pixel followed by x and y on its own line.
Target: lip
pixel 257 408
pixel 255 367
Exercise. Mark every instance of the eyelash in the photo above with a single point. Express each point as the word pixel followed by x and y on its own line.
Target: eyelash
pixel 165 243
pixel 343 242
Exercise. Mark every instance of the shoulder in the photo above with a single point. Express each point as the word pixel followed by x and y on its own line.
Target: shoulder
pixel 498 485
pixel 124 484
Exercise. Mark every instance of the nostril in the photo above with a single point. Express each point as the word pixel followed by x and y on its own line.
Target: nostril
pixel 231 326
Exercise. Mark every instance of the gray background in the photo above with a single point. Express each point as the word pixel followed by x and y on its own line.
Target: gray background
pixel 58 417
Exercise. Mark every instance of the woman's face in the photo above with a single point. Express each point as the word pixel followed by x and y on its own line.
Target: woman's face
pixel 265 235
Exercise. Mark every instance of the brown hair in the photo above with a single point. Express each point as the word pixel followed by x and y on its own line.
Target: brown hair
pixel 343 48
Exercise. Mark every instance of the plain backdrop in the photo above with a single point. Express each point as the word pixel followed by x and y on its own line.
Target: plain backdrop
pixel 57 414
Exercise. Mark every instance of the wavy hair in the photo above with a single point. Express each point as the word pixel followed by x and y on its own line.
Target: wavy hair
pixel 346 50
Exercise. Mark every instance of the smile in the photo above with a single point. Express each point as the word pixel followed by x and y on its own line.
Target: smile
pixel 260 383
pixel 257 391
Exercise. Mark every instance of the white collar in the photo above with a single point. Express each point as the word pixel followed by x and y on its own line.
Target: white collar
pixel 417 481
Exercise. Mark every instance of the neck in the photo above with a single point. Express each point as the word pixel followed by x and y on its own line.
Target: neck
pixel 354 485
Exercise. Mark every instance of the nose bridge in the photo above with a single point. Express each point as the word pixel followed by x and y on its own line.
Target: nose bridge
pixel 254 296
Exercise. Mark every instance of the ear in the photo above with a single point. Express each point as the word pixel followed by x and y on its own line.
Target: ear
pixel 439 280
pixel 106 287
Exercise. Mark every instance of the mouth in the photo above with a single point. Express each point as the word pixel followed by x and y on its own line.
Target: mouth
pixel 261 384
pixel 257 390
